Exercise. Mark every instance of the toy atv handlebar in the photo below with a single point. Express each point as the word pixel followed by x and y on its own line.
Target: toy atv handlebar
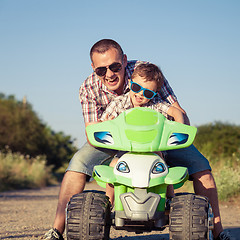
pixel 141 130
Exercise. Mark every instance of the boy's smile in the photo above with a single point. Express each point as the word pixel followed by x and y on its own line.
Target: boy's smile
pixel 138 99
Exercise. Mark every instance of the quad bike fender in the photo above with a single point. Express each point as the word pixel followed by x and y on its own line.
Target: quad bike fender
pixel 177 176
pixel 103 174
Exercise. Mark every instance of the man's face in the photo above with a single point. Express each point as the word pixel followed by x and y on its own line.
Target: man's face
pixel 112 80
pixel 138 99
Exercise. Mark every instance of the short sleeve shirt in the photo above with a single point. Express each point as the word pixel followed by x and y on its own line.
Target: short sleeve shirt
pixel 94 95
pixel 123 102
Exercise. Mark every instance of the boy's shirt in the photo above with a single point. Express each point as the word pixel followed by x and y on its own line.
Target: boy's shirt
pixel 94 95
pixel 123 102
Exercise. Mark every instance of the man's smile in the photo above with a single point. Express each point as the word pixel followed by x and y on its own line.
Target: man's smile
pixel 112 81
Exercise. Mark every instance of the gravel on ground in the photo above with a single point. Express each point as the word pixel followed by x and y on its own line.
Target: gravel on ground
pixel 29 214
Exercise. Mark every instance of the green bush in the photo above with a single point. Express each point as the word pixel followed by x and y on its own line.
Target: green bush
pixel 18 171
pixel 217 140
pixel 226 172
pixel 227 179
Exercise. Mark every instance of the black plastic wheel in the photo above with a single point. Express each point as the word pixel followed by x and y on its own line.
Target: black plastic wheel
pixel 88 216
pixel 189 217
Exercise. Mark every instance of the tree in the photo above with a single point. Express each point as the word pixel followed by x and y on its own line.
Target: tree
pixel 22 131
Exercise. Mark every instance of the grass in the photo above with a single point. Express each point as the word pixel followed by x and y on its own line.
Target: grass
pixel 226 172
pixel 227 177
pixel 18 171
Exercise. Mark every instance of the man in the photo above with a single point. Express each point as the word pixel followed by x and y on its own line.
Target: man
pixel 110 79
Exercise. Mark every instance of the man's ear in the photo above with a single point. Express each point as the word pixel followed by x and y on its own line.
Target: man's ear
pixel 124 60
pixel 92 66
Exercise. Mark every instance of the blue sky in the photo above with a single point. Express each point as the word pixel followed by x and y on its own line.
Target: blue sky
pixel 44 53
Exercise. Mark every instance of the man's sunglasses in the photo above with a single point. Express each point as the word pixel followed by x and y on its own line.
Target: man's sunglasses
pixel 147 93
pixel 114 67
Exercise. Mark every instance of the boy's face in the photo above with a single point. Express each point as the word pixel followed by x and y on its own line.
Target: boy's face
pixel 112 79
pixel 137 98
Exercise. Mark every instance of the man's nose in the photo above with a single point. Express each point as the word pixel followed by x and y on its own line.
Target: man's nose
pixel 109 73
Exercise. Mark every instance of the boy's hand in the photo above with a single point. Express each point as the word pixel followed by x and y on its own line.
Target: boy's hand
pixel 108 117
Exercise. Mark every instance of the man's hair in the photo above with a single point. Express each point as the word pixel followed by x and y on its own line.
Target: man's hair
pixel 104 45
pixel 150 72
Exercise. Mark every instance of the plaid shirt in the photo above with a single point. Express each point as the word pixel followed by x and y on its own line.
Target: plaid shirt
pixel 94 95
pixel 123 102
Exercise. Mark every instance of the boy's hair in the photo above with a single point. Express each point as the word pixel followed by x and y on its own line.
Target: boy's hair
pixel 104 45
pixel 150 72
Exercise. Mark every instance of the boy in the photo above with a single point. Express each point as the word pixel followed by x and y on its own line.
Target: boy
pixel 146 80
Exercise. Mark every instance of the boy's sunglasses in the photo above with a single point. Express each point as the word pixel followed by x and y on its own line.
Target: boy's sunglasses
pixel 147 93
pixel 114 67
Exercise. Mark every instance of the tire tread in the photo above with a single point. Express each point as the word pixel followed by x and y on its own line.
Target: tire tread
pixel 88 216
pixel 188 217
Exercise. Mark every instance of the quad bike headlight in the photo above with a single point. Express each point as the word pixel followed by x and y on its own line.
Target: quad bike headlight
pixel 158 168
pixel 123 167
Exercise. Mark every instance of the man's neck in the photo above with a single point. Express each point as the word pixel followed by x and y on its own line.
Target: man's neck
pixel 122 88
pixel 119 91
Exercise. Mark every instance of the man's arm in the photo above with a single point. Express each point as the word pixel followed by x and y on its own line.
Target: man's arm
pixel 178 115
pixel 86 124
pixel 183 113
pixel 109 114
pixel 168 95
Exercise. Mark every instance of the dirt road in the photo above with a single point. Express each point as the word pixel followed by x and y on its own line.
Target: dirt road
pixel 28 214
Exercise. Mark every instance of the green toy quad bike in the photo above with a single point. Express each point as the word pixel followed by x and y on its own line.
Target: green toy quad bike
pixel 140 180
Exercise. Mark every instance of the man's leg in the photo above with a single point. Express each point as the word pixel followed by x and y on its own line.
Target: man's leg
pixel 73 183
pixel 74 179
pixel 200 172
pixel 204 185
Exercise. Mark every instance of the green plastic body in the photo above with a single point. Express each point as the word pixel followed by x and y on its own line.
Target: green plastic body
pixel 140 130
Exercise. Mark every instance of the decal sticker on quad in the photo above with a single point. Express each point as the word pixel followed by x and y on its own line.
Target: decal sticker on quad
pixel 104 137
pixel 177 139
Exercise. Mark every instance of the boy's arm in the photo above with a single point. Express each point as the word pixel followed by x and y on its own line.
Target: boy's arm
pixel 110 112
pixel 178 114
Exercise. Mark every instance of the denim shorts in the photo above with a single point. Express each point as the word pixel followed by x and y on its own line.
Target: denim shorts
pixel 88 156
pixel 188 157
